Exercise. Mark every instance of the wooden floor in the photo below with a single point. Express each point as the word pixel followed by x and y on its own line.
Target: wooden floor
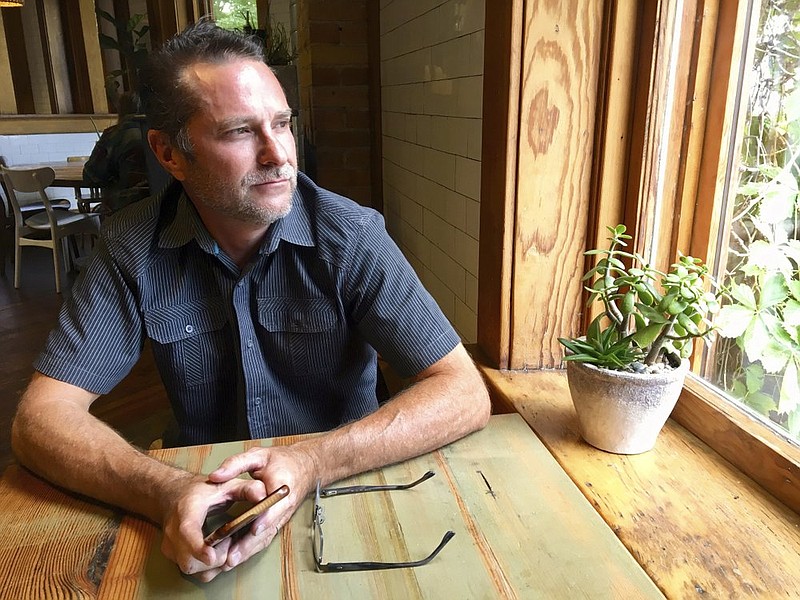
pixel 137 408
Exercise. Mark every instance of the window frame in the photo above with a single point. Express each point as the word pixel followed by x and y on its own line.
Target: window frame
pixel 84 57
pixel 639 62
pixel 762 452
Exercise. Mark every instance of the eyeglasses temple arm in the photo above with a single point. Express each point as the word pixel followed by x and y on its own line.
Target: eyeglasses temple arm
pixel 374 566
pixel 357 489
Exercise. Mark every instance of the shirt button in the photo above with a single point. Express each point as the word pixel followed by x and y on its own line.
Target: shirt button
pixel 189 328
pixel 257 401
pixel 240 283
pixel 249 343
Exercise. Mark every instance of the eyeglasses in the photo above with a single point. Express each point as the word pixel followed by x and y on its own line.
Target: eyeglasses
pixel 319 519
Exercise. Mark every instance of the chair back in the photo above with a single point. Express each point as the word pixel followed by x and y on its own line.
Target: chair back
pixel 29 180
pixel 6 200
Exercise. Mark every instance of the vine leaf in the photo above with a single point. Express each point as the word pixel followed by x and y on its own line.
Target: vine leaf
pixel 733 319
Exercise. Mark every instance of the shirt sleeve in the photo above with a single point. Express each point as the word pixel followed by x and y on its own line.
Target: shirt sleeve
pixel 99 334
pixel 392 309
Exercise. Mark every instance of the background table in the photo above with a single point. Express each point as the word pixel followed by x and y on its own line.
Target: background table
pixel 68 174
pixel 523 530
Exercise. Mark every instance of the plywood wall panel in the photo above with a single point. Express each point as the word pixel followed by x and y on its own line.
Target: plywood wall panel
pixel 561 44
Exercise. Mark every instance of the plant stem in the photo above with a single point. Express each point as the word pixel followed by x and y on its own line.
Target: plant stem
pixel 612 309
pixel 655 349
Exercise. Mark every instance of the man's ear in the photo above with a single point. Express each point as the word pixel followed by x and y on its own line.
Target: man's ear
pixel 172 159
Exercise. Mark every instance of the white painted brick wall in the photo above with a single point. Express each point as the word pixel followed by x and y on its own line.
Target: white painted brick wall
pixel 432 98
pixel 47 147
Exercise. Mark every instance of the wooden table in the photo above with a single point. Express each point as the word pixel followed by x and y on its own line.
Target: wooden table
pixel 68 174
pixel 523 530
pixel 699 527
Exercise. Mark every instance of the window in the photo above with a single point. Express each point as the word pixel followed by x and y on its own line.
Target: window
pixel 736 205
pixel 235 14
pixel 757 361
pixel 73 57
pixel 596 114
pixel 45 60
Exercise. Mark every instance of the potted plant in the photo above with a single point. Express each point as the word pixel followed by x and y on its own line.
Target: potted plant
pixel 626 373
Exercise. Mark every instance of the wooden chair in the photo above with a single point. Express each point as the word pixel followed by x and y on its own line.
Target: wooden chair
pixel 60 224
pixel 29 205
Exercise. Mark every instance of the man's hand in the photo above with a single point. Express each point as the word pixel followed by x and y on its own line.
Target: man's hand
pixel 273 467
pixel 447 401
pixel 185 512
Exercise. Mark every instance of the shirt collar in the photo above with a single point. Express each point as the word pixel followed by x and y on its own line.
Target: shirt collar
pixel 187 225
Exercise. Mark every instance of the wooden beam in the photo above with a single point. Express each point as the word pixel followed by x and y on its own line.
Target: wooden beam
pixel 561 50
pixel 163 19
pixel 615 87
pixel 501 88
pixel 697 96
pixel 18 59
pixel 615 99
pixel 94 57
pixel 732 56
pixel 8 103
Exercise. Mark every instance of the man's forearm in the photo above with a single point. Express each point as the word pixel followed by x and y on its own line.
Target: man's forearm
pixel 438 409
pixel 83 454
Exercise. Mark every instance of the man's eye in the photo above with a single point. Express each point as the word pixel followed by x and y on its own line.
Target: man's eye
pixel 239 131
pixel 281 124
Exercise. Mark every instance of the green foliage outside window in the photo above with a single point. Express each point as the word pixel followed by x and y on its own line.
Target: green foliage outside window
pixel 231 14
pixel 758 359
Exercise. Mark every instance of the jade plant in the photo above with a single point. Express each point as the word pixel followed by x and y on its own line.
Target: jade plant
pixel 649 318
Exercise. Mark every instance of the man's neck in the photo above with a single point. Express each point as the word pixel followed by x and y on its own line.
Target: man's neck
pixel 239 240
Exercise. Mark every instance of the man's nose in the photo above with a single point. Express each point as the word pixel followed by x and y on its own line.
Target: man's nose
pixel 272 151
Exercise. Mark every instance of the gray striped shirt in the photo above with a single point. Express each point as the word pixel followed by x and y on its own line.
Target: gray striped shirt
pixel 286 345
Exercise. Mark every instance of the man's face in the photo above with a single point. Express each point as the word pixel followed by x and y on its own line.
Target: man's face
pixel 244 161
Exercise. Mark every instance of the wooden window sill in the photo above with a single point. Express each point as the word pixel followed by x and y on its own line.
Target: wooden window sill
pixel 696 524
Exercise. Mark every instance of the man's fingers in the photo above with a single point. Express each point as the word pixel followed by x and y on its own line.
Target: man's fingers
pixel 208 560
pixel 206 576
pixel 233 466
pixel 251 543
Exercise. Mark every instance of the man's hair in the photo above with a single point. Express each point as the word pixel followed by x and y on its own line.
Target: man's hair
pixel 169 101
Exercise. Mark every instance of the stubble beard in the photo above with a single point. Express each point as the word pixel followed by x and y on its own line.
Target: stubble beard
pixel 238 203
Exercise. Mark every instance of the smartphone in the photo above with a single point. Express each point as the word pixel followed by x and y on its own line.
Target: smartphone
pixel 237 523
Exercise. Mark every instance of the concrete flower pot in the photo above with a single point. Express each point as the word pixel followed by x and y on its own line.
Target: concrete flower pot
pixel 623 412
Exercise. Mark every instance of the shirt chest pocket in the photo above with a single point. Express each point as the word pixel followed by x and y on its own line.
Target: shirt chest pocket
pixel 306 335
pixel 190 339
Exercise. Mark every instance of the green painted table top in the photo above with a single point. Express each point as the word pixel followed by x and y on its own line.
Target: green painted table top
pixel 523 530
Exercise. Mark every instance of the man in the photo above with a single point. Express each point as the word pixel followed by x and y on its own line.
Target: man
pixel 265 299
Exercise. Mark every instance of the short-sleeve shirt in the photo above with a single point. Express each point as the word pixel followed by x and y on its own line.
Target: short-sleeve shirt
pixel 286 345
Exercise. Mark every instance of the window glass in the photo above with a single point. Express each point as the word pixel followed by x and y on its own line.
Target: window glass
pixel 236 14
pixel 756 359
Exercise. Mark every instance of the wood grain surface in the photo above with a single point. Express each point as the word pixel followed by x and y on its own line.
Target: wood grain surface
pixel 52 544
pixel 522 531
pixel 561 50
pixel 698 526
